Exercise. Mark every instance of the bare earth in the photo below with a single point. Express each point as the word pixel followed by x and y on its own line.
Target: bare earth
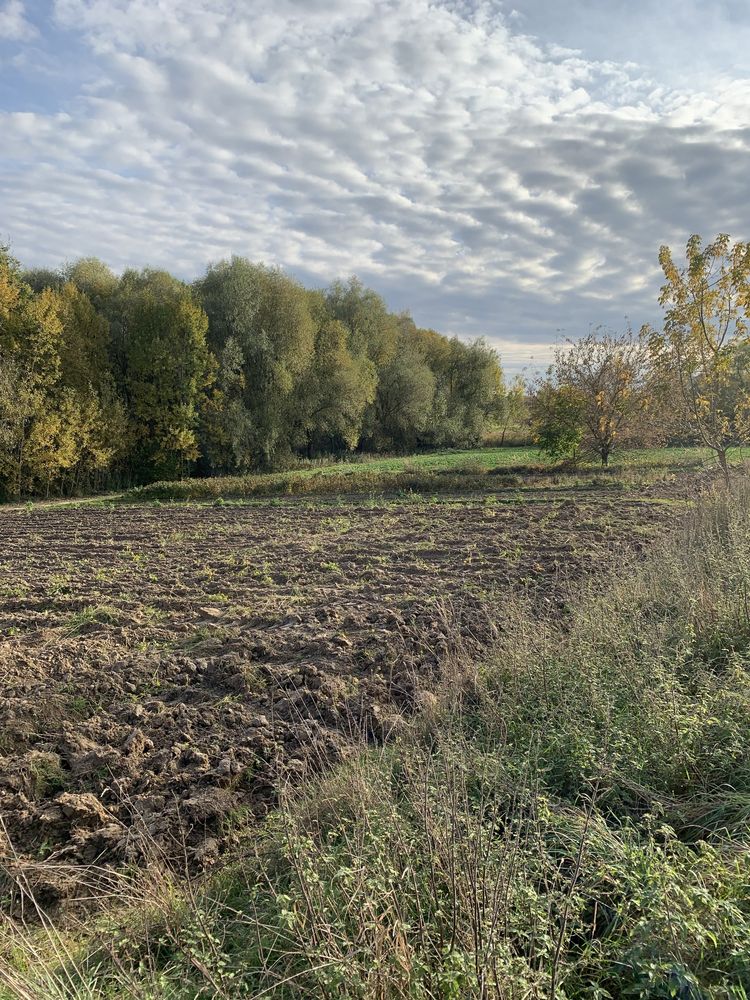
pixel 163 668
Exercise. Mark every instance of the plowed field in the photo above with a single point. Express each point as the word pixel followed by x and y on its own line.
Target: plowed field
pixel 164 668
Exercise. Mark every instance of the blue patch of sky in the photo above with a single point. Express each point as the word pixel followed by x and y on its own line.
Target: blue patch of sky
pixel 44 74
pixel 676 44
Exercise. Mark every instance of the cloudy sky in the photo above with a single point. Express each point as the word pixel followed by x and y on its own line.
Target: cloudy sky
pixel 499 168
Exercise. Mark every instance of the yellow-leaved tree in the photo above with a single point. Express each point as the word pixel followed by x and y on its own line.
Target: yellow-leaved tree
pixel 30 332
pixel 704 347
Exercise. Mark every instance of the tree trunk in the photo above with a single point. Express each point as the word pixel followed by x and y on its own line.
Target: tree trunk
pixel 19 471
pixel 721 454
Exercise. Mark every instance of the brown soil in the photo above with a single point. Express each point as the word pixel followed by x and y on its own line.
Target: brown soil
pixel 163 668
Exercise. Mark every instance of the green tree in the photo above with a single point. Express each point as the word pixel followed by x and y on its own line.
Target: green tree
pixel 39 278
pixel 89 396
pixel 373 331
pixel 262 316
pixel 30 335
pixel 14 294
pixel 60 419
pixel 168 367
pixel 84 341
pixel 226 425
pixel 334 392
pixel 470 388
pixel 702 348
pixel 404 400
pixel 557 413
pixel 513 411
pixel 19 404
pixel 95 279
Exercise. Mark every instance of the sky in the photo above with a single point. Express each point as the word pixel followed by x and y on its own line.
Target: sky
pixel 500 169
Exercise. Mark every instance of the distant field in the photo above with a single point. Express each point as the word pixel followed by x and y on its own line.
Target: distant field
pixel 513 457
pixel 482 469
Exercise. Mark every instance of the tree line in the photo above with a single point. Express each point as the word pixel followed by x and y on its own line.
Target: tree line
pixel 688 382
pixel 110 380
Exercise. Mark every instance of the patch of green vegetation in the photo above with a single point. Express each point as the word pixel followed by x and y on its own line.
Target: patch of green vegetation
pixel 481 470
pixel 45 775
pixel 58 583
pixel 151 613
pixel 78 705
pixel 204 633
pixel 96 614
pixel 336 525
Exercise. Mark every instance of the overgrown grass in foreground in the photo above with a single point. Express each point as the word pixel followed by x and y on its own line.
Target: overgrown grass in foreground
pixel 569 819
pixel 484 469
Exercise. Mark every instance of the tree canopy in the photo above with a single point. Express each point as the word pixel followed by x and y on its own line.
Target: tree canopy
pixel 704 345
pixel 600 393
pixel 109 380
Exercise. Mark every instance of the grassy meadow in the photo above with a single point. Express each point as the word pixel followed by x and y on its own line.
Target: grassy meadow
pixel 482 469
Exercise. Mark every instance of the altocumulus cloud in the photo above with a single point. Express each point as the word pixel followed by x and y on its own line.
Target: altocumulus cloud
pixel 464 163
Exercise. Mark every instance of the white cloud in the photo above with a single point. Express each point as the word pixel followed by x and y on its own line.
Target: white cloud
pixel 13 24
pixel 494 183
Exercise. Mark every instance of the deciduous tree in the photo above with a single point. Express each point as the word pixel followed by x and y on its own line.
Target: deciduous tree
pixel 513 409
pixel 167 367
pixel 558 419
pixel 404 399
pixel 604 385
pixel 265 315
pixel 612 380
pixel 702 348
pixel 335 391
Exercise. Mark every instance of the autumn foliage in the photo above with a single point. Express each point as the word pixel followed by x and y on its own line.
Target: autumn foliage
pixel 109 381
